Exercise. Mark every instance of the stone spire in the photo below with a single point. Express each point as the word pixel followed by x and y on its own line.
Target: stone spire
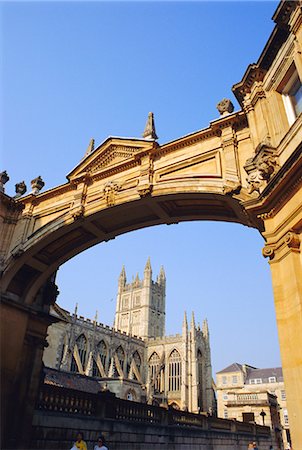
pixel 148 267
pixel 149 132
pixel 185 324
pixel 193 327
pixel 90 148
pixel 122 277
pixel 205 329
pixel 161 279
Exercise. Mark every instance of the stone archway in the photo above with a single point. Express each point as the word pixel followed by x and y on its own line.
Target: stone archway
pixel 245 168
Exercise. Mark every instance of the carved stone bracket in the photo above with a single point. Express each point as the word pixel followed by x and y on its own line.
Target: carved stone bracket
pixel 78 214
pixel 261 167
pixel 110 190
pixel 292 240
pixel 268 251
pixel 231 190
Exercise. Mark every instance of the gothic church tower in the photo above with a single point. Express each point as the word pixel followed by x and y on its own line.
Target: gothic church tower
pixel 140 306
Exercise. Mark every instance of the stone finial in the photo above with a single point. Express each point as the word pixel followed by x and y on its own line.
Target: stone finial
pixel 37 184
pixel 20 189
pixel 96 316
pixel 193 326
pixel 148 265
pixel 185 321
pixel 225 107
pixel 90 148
pixel 3 179
pixel 205 328
pixel 76 309
pixel 149 132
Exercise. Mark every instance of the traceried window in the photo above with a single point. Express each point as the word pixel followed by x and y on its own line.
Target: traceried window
pixel 291 90
pixel 174 371
pixel 200 377
pixel 126 302
pixel 81 343
pixel 156 377
pixel 101 351
pixel 121 356
pixel 137 360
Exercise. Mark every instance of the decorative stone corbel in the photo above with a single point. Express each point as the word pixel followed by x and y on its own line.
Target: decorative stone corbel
pixel 78 213
pixel 231 190
pixel 225 107
pixel 261 167
pixel 292 240
pixel 268 251
pixel 110 190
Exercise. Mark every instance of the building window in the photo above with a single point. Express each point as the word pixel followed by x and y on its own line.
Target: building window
pixel 225 413
pixel 120 356
pixel 101 351
pixel 126 302
pixel 174 371
pixel 285 415
pixel 137 360
pixel 137 300
pixel 283 395
pixel 224 380
pixel 291 90
pixel 272 379
pixel 81 344
pixel 248 417
pixel 225 396
pixel 200 378
pixel 256 381
pixel 154 372
pixel 234 379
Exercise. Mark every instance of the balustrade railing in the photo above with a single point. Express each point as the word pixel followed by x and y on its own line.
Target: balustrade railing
pixel 106 405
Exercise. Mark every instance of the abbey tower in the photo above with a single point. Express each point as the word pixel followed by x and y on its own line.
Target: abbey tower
pixel 140 305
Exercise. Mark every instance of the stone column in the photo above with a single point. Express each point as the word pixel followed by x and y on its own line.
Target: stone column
pixel 285 263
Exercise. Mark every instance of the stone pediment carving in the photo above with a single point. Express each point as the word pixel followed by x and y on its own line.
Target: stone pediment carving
pixel 109 154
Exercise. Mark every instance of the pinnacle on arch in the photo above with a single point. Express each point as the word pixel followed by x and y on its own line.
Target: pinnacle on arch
pixel 90 148
pixel 149 132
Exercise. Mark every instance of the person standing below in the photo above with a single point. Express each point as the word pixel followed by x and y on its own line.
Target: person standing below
pixel 255 446
pixel 80 443
pixel 100 444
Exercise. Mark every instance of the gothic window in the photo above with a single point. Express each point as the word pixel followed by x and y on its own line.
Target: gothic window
pixel 126 302
pixel 137 300
pixel 137 360
pixel 174 371
pixel 200 378
pixel 154 375
pixel 120 356
pixel 101 350
pixel 81 343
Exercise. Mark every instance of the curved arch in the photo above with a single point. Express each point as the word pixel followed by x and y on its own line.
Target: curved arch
pixel 138 360
pixel 120 353
pixel 52 244
pixel 101 351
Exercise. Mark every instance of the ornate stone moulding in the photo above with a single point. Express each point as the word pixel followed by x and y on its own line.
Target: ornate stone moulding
pixel 261 167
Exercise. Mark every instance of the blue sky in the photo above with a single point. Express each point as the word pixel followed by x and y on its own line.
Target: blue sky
pixel 73 71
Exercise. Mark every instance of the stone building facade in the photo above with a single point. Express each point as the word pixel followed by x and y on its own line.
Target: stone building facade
pixel 134 359
pixel 249 394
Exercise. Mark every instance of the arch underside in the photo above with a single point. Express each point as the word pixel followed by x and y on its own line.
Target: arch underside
pixel 52 245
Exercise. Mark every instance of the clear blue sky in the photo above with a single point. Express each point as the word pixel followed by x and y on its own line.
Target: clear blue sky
pixel 72 71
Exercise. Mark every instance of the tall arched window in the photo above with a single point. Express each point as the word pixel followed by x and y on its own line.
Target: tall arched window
pixel 200 378
pixel 137 360
pixel 154 374
pixel 174 371
pixel 101 351
pixel 121 356
pixel 81 343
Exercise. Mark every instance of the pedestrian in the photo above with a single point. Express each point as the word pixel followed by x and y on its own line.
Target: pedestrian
pixel 255 446
pixel 250 446
pixel 100 444
pixel 80 443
